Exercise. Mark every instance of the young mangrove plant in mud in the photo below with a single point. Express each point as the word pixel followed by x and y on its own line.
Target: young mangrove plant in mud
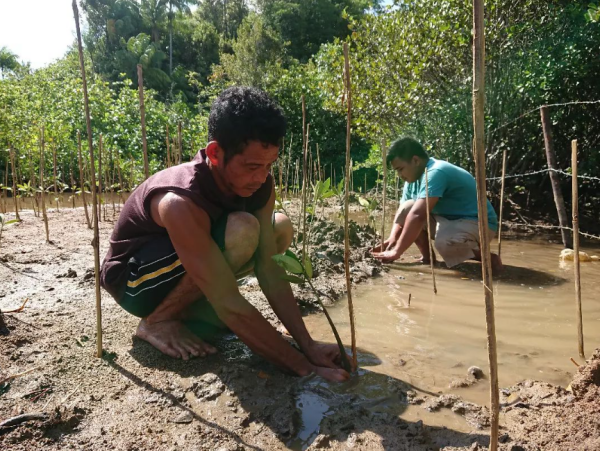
pixel 302 272
pixel 369 207
pixel 4 223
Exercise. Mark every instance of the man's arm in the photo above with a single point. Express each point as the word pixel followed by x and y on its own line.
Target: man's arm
pixel 189 229
pixel 279 293
pixel 415 221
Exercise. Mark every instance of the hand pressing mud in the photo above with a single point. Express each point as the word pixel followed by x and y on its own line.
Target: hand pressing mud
pixel 173 339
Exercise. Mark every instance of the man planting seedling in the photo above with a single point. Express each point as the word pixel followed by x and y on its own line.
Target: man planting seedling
pixel 186 233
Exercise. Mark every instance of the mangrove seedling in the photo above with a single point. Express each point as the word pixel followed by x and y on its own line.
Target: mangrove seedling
pixel 302 272
pixel 369 206
pixel 4 223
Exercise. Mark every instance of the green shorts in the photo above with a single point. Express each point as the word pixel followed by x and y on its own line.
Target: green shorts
pixel 155 270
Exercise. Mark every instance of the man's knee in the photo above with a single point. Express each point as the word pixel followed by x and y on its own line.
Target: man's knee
pixel 284 232
pixel 403 211
pixel 241 236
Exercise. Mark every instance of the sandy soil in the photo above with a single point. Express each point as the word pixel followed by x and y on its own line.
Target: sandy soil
pixel 134 398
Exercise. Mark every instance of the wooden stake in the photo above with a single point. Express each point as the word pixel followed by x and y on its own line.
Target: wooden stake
pixel 96 240
pixel 484 237
pixel 14 182
pixel 305 127
pixel 42 189
pixel 346 206
pixel 576 247
pixel 143 118
pixel 4 192
pixel 111 180
pixel 321 176
pixel 554 179
pixel 72 182
pixel 168 148
pixel 122 200
pixel 32 184
pixel 54 173
pixel 101 205
pixel 180 142
pixel 501 203
pixel 383 152
pixel 82 181
pixel 429 240
pixel 287 170
pixel 131 176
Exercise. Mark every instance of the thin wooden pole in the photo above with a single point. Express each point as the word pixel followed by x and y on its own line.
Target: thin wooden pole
pixel 82 181
pixel 111 180
pixel 346 206
pixel 501 203
pixel 383 155
pixel 14 182
pixel 554 179
pixel 96 240
pixel 484 237
pixel 180 143
pixel 32 183
pixel 100 196
pixel 321 176
pixel 305 170
pixel 131 176
pixel 42 189
pixel 54 173
pixel 287 170
pixel 168 148
pixel 576 247
pixel 72 181
pixel 429 235
pixel 140 73
pixel 119 173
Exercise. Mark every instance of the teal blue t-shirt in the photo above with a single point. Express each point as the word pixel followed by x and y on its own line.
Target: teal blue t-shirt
pixel 456 190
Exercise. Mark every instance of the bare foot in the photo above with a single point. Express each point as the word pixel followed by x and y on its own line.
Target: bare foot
pixel 174 339
pixel 425 260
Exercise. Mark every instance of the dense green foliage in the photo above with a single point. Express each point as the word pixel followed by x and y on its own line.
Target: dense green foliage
pixel 410 67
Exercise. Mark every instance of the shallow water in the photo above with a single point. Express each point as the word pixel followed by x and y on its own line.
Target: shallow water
pixel 435 340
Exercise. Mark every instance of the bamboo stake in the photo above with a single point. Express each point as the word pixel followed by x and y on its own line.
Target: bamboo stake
pixel 96 241
pixel 365 191
pixel 43 191
pixel 4 191
pixel 501 203
pixel 72 182
pixel 131 176
pixel 576 262
pixel 121 199
pixel 14 182
pixel 305 127
pixel 484 238
pixel 112 181
pixel 346 206
pixel 54 173
pixel 32 181
pixel 429 240
pixel 383 152
pixel 100 196
pixel 168 148
pixel 140 73
pixel 321 176
pixel 82 181
pixel 180 142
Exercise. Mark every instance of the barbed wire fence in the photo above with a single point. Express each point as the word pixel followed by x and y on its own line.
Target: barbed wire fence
pixel 544 171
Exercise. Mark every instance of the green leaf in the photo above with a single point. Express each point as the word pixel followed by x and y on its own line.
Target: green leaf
pixel 293 279
pixel 308 267
pixel 364 202
pixel 12 221
pixel 288 263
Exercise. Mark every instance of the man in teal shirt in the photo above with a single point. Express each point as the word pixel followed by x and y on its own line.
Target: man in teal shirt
pixel 452 203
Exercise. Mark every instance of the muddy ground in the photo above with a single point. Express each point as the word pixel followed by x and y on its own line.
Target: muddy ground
pixel 134 398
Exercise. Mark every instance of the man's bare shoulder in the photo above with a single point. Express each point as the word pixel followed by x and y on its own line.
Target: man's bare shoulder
pixel 173 205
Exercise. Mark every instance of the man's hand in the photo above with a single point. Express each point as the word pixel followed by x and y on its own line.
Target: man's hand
pixel 324 355
pixel 332 374
pixel 388 244
pixel 388 256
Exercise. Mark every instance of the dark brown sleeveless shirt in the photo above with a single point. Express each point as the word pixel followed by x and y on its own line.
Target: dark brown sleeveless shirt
pixel 136 227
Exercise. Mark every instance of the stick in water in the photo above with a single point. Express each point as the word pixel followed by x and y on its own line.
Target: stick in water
pixel 484 237
pixel 501 203
pixel 429 240
pixel 96 240
pixel 576 247
pixel 346 202
pixel 383 151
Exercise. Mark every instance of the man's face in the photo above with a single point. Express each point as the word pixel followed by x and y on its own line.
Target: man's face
pixel 409 171
pixel 245 172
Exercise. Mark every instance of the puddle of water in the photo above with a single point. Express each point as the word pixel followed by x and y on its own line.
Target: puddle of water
pixel 435 340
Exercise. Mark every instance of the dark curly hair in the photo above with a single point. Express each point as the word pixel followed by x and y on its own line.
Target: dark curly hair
pixel 241 114
pixel 405 149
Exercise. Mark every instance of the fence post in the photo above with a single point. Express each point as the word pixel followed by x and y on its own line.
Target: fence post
pixel 558 197
pixel 575 208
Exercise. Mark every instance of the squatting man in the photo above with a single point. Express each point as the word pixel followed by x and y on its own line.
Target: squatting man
pixel 187 232
pixel 452 204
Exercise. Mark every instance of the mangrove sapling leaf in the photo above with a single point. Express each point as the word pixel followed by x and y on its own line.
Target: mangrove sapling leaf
pixel 306 272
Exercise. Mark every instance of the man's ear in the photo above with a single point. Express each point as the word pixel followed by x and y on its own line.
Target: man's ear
pixel 214 152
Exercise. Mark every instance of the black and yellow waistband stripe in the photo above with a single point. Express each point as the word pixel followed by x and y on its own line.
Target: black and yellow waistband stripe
pixel 154 274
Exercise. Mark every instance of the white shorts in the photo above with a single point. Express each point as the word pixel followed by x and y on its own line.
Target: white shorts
pixel 455 239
